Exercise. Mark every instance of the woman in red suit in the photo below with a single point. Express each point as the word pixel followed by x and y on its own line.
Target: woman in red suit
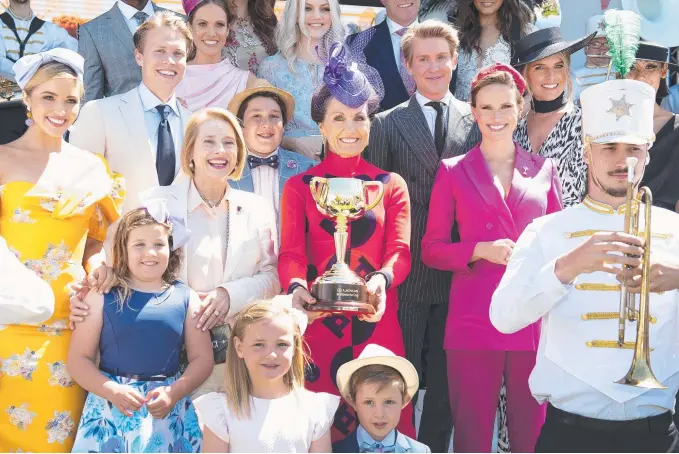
pixel 492 193
pixel 379 243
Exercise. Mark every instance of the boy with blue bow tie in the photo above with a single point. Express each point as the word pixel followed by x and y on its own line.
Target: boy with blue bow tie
pixel 378 384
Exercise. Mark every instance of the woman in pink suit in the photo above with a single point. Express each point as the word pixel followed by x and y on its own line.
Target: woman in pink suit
pixel 492 193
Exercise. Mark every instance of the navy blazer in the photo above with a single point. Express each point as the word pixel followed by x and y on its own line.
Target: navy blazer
pixel 380 55
pixel 403 444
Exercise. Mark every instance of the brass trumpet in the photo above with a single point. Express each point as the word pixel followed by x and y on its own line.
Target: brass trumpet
pixel 640 373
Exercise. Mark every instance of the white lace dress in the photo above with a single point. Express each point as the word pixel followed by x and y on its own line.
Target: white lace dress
pixel 288 424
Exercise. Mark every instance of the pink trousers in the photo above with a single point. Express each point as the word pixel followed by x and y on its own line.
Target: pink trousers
pixel 474 381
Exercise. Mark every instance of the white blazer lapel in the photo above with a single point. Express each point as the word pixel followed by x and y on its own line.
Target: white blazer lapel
pixel 238 234
pixel 141 152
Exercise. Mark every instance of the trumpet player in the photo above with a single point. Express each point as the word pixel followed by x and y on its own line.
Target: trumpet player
pixel 567 270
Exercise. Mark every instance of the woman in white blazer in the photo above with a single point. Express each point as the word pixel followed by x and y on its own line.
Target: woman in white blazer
pixel 229 259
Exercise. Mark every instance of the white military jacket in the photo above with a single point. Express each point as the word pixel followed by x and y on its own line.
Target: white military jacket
pixel 578 360
pixel 584 77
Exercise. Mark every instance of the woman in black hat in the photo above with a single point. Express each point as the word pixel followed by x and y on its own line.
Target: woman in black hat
pixel 661 172
pixel 552 126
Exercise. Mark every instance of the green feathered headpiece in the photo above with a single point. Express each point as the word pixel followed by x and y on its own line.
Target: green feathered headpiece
pixel 623 32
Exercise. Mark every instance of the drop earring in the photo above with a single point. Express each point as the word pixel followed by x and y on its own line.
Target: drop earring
pixel 29 117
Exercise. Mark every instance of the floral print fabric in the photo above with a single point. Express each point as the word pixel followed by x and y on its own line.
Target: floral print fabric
pixel 104 429
pixel 40 404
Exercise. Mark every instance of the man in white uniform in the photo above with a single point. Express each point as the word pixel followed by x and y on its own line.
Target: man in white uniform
pixel 596 65
pixel 23 33
pixel 566 270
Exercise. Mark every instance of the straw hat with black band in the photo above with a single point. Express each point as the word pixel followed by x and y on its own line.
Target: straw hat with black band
pixel 287 98
pixel 545 43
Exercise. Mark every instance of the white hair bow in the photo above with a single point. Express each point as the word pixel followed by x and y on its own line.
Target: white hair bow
pixel 157 209
pixel 27 66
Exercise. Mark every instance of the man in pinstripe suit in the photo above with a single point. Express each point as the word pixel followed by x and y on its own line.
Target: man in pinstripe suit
pixel 411 139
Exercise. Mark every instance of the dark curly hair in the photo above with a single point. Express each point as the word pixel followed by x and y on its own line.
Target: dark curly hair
pixel 469 27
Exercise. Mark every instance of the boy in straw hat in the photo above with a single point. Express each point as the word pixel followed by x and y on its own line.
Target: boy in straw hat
pixel 567 270
pixel 378 385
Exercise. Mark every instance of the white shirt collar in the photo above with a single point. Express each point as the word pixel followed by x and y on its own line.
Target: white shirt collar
pixel 129 11
pixel 149 101
pixel 423 101
pixel 394 27
pixel 273 153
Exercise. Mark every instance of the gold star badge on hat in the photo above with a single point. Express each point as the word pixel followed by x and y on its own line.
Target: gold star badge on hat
pixel 620 108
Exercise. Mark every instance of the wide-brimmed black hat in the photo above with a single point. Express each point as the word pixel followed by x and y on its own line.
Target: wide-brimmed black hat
pixel 651 51
pixel 545 43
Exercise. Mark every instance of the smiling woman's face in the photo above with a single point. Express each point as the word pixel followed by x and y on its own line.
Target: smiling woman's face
pixel 346 129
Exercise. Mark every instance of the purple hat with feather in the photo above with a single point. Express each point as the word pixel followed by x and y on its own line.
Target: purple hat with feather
pixel 349 80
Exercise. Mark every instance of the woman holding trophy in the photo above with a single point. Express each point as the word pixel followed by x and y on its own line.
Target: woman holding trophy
pixel 345 235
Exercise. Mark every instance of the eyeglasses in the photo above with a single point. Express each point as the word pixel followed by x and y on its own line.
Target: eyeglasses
pixel 598 46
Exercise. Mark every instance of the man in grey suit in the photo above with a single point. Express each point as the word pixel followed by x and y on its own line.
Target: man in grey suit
pixel 411 139
pixel 105 43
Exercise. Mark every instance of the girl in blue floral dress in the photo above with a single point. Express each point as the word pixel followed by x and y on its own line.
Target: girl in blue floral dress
pixel 138 401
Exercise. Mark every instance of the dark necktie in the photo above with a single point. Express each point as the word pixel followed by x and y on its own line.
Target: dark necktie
pixel 140 17
pixel 439 135
pixel 165 158
pixel 256 161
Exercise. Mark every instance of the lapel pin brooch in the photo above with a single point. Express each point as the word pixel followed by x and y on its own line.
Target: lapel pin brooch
pixel 291 164
pixel 525 170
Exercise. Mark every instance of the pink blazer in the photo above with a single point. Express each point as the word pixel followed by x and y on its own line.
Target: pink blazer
pixel 464 193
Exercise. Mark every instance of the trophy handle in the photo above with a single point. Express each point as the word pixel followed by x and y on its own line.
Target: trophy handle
pixel 380 191
pixel 317 189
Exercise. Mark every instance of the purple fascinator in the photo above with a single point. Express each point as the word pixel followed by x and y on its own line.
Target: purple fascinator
pixel 342 77
pixel 349 80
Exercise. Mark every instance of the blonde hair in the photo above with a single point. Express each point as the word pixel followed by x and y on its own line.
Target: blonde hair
pixel 289 33
pixel 569 83
pixel 429 29
pixel 191 136
pixel 162 19
pixel 53 70
pixel 238 383
pixel 131 220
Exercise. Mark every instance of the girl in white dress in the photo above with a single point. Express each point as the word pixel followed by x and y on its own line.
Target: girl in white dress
pixel 265 407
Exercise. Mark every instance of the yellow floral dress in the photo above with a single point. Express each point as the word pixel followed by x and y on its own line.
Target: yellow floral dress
pixel 46 226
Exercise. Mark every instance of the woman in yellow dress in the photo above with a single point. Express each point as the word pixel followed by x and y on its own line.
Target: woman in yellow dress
pixel 56 202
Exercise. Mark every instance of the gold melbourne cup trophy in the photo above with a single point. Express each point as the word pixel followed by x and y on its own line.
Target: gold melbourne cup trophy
pixel 343 199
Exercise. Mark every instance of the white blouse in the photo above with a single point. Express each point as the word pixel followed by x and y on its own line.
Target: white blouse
pixel 205 263
pixel 287 424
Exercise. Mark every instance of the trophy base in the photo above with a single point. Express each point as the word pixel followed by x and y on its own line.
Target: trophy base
pixel 340 298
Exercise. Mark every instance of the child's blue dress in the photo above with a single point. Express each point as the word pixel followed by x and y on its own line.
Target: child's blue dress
pixel 140 347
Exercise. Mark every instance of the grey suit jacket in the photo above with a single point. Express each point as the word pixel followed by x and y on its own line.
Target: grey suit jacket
pixel 400 141
pixel 106 44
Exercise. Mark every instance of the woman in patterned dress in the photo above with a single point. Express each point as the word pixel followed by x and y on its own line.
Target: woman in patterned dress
pixel 56 202
pixel 379 243
pixel 251 33
pixel 298 68
pixel 487 33
pixel 552 126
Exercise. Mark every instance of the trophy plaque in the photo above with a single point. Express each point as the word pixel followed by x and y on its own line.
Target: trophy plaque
pixel 340 289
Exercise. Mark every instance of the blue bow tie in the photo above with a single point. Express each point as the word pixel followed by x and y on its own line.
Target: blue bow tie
pixel 376 447
pixel 256 161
